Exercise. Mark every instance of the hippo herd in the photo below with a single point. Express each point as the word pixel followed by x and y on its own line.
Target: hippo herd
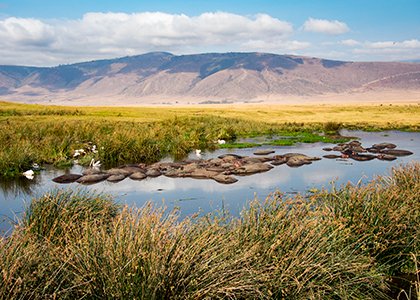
pixel 354 150
pixel 220 169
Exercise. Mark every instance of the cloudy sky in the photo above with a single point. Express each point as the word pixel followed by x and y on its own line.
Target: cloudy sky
pixel 51 32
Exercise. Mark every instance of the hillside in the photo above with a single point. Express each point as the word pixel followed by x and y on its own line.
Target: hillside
pixel 163 78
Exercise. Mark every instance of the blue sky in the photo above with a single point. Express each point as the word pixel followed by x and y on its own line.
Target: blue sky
pixel 48 33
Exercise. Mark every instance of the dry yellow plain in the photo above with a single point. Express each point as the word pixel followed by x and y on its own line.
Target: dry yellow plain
pixel 344 109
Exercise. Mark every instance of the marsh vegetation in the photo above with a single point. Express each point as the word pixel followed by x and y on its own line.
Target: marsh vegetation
pixel 341 243
pixel 38 134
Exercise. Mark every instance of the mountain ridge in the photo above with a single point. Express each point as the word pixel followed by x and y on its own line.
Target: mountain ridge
pixel 197 78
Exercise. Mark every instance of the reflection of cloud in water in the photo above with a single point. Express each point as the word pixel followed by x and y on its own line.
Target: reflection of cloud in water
pixel 323 176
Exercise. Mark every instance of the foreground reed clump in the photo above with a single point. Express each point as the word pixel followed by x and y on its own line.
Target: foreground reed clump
pixel 386 212
pixel 340 244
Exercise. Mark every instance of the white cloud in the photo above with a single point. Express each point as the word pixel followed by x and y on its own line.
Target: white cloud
pixel 102 35
pixel 350 43
pixel 29 41
pixel 325 26
pixel 25 32
pixel 406 50
pixel 413 44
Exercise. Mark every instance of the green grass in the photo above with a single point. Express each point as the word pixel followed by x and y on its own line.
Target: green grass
pixel 281 143
pixel 341 243
pixel 239 145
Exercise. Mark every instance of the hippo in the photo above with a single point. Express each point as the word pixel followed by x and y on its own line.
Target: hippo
pixel 296 159
pixel 278 162
pixel 251 168
pixel 332 156
pixel 137 176
pixel 355 143
pixel 114 178
pixel 226 179
pixel 230 156
pixel 387 157
pixel 93 178
pixel 381 146
pixel 117 171
pixel 67 178
pixel 264 152
pixel 203 174
pixel 153 173
pixel 396 152
pixel 91 171
pixel 362 157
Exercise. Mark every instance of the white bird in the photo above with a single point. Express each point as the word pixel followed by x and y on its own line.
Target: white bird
pixel 221 142
pixel 198 152
pixel 29 174
pixel 78 152
pixel 95 164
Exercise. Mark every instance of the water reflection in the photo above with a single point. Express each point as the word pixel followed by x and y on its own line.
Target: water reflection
pixel 191 194
pixel 13 188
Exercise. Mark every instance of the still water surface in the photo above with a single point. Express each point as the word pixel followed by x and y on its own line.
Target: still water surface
pixel 192 194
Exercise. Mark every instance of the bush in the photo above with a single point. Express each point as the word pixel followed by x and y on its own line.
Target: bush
pixel 332 127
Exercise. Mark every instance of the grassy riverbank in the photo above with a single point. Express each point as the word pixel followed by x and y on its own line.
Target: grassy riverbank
pixel 50 134
pixel 344 243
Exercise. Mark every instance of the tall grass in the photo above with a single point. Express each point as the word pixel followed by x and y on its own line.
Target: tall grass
pixel 386 212
pixel 339 244
pixel 272 251
pixel 50 216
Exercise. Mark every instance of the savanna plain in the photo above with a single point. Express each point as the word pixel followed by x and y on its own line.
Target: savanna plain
pixel 351 242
